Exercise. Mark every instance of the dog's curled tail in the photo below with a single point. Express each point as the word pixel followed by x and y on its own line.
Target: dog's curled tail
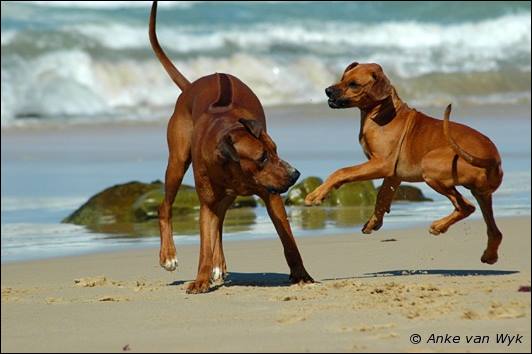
pixel 175 75
pixel 473 160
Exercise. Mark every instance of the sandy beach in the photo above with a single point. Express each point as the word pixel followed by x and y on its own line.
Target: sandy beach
pixel 373 293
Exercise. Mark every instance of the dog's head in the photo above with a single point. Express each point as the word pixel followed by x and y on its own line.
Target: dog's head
pixel 362 86
pixel 250 162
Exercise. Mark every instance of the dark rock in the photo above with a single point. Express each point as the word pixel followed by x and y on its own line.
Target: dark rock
pixel 410 193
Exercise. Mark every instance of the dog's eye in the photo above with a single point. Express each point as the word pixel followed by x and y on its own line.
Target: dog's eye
pixel 353 84
pixel 263 158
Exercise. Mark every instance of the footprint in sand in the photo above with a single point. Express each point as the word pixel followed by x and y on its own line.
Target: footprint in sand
pixel 90 282
pixel 113 299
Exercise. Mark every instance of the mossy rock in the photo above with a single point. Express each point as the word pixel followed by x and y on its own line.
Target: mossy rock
pixel 298 192
pixel 186 201
pixel 136 202
pixel 112 205
pixel 410 194
pixel 354 194
pixel 350 194
pixel 147 205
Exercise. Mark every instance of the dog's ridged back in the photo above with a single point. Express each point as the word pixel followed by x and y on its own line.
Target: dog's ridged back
pixel 225 92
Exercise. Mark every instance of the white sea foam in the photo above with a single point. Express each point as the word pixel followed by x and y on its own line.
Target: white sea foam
pixel 483 39
pixel 41 203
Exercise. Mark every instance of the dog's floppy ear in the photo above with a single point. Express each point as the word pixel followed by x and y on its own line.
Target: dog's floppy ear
pixel 381 85
pixel 252 126
pixel 227 149
pixel 350 66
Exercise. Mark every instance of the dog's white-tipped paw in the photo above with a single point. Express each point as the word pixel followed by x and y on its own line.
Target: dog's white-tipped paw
pixel 170 264
pixel 216 274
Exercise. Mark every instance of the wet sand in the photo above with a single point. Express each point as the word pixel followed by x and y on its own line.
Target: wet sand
pixel 374 292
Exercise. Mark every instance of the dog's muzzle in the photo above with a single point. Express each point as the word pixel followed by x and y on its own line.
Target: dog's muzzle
pixel 334 101
pixel 337 103
pixel 294 175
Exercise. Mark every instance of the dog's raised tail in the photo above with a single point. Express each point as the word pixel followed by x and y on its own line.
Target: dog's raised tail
pixel 175 75
pixel 473 160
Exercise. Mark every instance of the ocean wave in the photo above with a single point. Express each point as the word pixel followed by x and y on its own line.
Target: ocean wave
pixel 73 84
pixel 496 36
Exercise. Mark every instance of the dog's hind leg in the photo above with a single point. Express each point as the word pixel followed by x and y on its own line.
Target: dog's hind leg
pixel 179 141
pixel 490 255
pixel 462 207
pixel 384 200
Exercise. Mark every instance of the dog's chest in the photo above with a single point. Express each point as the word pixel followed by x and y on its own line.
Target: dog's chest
pixel 408 167
pixel 365 147
pixel 408 171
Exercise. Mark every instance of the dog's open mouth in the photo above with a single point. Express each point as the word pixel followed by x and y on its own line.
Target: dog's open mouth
pixel 281 190
pixel 338 103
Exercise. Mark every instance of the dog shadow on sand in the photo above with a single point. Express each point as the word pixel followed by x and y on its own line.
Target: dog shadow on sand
pixel 442 272
pixel 250 279
pixel 281 279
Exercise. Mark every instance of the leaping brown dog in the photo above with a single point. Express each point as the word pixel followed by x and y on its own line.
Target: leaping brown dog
pixel 218 124
pixel 403 144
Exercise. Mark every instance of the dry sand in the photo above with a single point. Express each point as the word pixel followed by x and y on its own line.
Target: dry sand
pixel 125 302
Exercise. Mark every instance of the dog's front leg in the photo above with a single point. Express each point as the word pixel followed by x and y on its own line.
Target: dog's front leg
pixel 209 223
pixel 384 200
pixel 277 212
pixel 374 168
pixel 219 270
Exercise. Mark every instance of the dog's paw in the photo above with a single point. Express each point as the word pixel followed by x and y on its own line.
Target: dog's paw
pixel 373 224
pixel 489 257
pixel 168 263
pixel 218 275
pixel 198 287
pixel 438 228
pixel 301 277
pixel 434 231
pixel 317 196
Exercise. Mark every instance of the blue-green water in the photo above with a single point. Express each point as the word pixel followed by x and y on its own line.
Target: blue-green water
pixel 46 175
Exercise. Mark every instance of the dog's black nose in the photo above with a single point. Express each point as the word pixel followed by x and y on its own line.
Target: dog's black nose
pixel 294 177
pixel 329 91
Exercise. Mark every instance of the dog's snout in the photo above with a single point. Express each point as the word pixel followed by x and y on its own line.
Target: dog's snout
pixel 329 91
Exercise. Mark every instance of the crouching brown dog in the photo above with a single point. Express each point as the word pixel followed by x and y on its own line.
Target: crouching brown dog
pixel 403 144
pixel 218 124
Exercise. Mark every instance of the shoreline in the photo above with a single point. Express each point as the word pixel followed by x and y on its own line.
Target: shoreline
pixel 152 243
pixel 313 111
pixel 373 292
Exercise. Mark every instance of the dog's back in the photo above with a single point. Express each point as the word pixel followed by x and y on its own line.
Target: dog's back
pixel 230 94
